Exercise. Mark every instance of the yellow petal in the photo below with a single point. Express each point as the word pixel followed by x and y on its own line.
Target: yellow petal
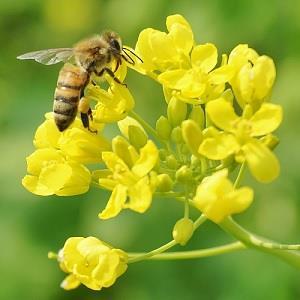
pixel 266 119
pixel 38 159
pixel 140 196
pixel 47 135
pixel 262 162
pixel 221 75
pixel 182 37
pixel 115 203
pixel 176 79
pixel 241 199
pixel 222 113
pixel 55 176
pixel 219 147
pixel 126 123
pixel 113 162
pixel 70 283
pixel 32 184
pixel 264 76
pixel 204 57
pixel 147 160
pixel 173 20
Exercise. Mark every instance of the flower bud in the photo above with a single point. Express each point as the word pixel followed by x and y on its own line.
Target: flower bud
pixel 192 135
pixel 137 136
pixel 228 95
pixel 120 147
pixel 184 174
pixel 176 135
pixel 197 115
pixel 271 141
pixel 183 231
pixel 164 183
pixel 177 111
pixel 163 153
pixel 163 128
pixel 172 163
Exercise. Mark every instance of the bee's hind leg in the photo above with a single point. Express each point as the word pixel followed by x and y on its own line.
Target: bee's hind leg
pixel 85 113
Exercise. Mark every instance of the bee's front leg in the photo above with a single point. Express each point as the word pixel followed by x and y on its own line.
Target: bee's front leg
pixel 85 113
pixel 111 74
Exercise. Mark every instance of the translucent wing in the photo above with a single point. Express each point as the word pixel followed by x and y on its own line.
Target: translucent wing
pixel 49 56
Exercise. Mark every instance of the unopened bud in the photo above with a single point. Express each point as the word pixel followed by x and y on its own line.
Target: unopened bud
pixel 120 147
pixel 197 115
pixel 228 95
pixel 183 231
pixel 163 128
pixel 176 135
pixel 171 161
pixel 177 111
pixel 192 135
pixel 163 153
pixel 137 136
pixel 184 174
pixel 164 183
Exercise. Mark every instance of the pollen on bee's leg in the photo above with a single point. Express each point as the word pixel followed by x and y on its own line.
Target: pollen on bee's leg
pixel 84 105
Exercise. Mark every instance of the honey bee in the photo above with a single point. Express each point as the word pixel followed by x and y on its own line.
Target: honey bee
pixel 90 56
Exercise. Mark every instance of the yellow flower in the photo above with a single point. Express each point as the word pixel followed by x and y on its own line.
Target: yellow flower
pixel 76 142
pixel 130 182
pixel 254 78
pixel 113 105
pixel 198 82
pixel 91 262
pixel 217 198
pixel 50 173
pixel 161 51
pixel 240 137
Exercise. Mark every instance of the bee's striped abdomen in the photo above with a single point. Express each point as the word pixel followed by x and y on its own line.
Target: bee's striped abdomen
pixel 70 84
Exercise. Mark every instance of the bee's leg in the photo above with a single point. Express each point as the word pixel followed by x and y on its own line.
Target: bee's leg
pixel 90 114
pixel 85 113
pixel 111 74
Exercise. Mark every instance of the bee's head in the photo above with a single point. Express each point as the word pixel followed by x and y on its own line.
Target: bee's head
pixel 114 41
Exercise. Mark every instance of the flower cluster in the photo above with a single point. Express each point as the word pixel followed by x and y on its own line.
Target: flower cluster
pixel 218 121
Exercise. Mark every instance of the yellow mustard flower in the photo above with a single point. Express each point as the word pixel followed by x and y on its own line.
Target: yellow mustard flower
pixel 112 105
pixel 91 262
pixel 240 135
pixel 50 173
pixel 161 51
pixel 76 142
pixel 217 198
pixel 198 82
pixel 254 77
pixel 130 185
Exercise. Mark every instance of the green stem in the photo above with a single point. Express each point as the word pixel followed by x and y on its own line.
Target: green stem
pixel 239 176
pixel 199 221
pixel 254 241
pixel 142 256
pixel 198 253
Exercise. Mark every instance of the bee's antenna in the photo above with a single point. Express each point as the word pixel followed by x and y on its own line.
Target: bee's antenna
pixel 130 61
pixel 126 49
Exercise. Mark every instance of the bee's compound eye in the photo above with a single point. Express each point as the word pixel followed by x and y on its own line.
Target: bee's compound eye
pixel 115 44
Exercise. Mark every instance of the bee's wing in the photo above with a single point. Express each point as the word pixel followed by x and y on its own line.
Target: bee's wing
pixel 49 56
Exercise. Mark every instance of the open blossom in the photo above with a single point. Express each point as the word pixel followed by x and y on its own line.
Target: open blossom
pixel 217 198
pixel 76 142
pixel 91 262
pixel 51 173
pixel 112 105
pixel 239 137
pixel 130 184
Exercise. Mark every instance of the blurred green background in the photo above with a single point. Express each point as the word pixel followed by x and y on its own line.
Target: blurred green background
pixel 30 226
